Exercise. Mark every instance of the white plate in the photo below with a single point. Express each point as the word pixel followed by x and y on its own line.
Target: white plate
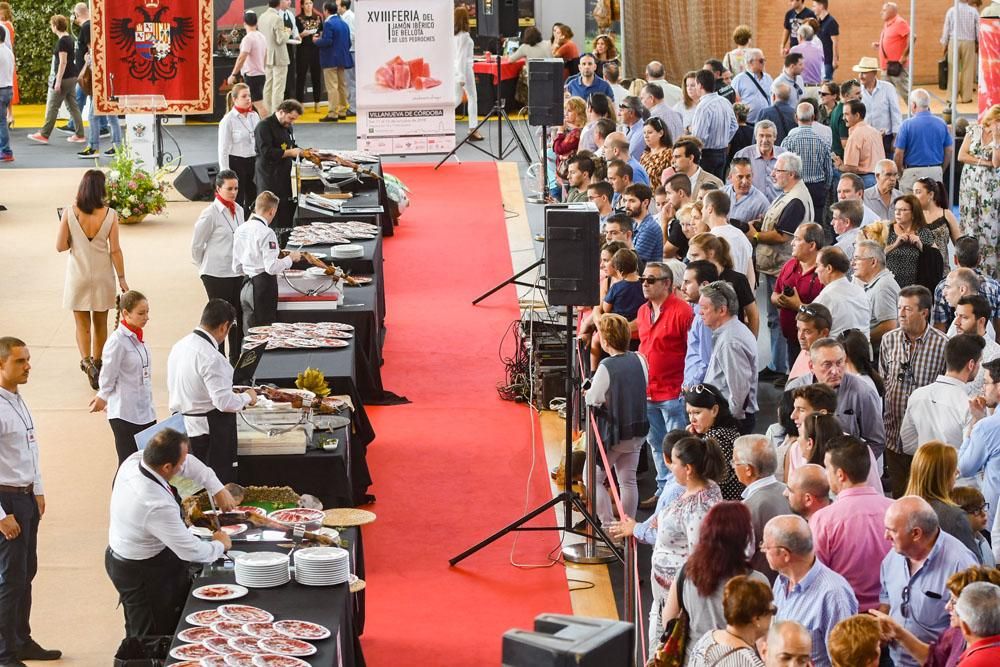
pixel 262 559
pixel 235 529
pixel 231 592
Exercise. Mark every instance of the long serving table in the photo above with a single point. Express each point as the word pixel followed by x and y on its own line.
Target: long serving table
pixel 368 197
pixel 338 366
pixel 334 607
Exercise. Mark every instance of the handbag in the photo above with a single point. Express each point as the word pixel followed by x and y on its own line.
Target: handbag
pixel 892 67
pixel 85 79
pixel 676 635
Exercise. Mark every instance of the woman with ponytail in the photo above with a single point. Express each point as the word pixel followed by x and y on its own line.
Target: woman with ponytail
pixel 126 389
pixel 212 251
pixel 237 151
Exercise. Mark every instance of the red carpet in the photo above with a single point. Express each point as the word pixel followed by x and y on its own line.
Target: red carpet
pixel 451 467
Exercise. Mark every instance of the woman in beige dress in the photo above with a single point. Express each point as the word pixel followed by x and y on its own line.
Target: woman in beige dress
pixel 89 230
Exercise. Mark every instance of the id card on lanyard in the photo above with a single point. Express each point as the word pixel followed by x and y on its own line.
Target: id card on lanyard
pixel 143 360
pixel 25 417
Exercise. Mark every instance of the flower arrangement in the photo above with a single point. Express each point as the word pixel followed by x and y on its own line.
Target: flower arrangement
pixel 132 191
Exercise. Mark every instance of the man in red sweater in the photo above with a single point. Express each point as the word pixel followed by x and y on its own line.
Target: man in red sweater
pixel 978 610
pixel 663 323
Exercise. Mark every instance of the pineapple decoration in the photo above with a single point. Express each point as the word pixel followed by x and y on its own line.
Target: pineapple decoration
pixel 312 380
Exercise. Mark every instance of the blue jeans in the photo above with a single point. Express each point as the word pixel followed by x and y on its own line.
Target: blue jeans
pixel 827 71
pixel 6 95
pixel 663 416
pixel 81 102
pixel 94 129
pixel 779 351
pixel 869 180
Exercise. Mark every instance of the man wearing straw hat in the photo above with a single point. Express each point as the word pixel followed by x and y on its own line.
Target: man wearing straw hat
pixel 881 103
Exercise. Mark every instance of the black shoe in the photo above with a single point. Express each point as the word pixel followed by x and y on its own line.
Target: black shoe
pixel 768 375
pixel 780 381
pixel 105 132
pixel 88 152
pixel 16 663
pixel 94 375
pixel 328 119
pixel 111 151
pixel 66 129
pixel 32 651
pixel 649 503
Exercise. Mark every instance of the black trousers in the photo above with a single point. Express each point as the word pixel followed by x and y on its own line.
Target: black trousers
pixel 713 160
pixel 887 144
pixel 292 68
pixel 897 466
pixel 308 61
pixel 228 289
pixel 244 166
pixel 218 448
pixel 817 192
pixel 152 591
pixel 18 565
pixel 125 437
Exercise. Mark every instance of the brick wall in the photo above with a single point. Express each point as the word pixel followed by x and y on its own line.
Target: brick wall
pixel 860 25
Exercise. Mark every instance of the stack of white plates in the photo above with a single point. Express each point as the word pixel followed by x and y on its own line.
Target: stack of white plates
pixel 262 569
pixel 349 251
pixel 322 566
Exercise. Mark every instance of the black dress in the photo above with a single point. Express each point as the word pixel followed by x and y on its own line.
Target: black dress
pixel 731 487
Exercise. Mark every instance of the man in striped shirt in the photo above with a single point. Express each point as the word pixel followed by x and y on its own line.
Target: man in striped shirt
pixel 911 356
pixel 963 25
pixel 714 123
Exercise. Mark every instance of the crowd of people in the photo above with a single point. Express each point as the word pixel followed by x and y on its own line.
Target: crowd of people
pixel 860 528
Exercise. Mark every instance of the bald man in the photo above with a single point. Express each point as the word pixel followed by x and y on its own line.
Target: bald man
pixel 806 590
pixel 920 547
pixel 788 643
pixel 808 490
pixel 616 147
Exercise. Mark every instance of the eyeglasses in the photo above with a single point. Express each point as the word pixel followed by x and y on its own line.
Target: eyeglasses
pixel 704 389
pixel 905 372
pixel 650 280
pixel 825 94
pixel 744 463
pixel 808 310
pixel 905 607
pixel 779 171
pixel 985 507
pixel 764 548
pixel 860 259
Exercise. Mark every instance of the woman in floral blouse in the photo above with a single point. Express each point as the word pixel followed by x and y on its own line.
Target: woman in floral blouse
pixel 659 150
pixel 696 464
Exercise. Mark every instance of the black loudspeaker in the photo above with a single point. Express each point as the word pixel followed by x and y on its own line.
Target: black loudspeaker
pixel 570 641
pixel 572 254
pixel 197 181
pixel 545 91
pixel 497 18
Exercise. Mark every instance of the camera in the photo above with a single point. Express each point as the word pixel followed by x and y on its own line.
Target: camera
pixel 788 291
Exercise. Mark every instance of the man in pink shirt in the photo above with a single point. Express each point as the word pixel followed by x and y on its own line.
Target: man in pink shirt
pixel 849 535
pixel 893 47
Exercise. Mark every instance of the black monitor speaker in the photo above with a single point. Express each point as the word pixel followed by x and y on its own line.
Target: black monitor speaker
pixel 570 641
pixel 572 254
pixel 197 181
pixel 545 91
pixel 497 18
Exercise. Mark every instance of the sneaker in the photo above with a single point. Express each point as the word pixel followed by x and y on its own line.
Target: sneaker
pixel 7 158
pixel 110 152
pixel 88 152
pixel 105 132
pixel 74 139
pixel 328 119
pixel 66 129
pixel 768 375
pixel 38 137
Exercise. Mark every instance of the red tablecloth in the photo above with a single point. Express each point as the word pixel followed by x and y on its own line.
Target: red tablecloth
pixel 508 70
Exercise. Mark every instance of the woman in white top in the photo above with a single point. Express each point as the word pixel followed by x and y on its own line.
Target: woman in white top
pixel 237 150
pixel 464 76
pixel 89 231
pixel 687 105
pixel 532 46
pixel 212 251
pixel 126 389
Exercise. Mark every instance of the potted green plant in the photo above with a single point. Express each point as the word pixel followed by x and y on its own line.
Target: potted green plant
pixel 132 191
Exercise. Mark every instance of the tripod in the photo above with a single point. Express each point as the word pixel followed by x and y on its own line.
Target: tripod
pixel 502 118
pixel 567 498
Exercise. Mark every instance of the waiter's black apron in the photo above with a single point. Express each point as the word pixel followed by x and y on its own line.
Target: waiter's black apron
pixel 217 449
pixel 259 298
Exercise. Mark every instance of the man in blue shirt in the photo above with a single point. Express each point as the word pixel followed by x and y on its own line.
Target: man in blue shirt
pixel 914 574
pixel 923 143
pixel 335 57
pixel 647 237
pixel 980 451
pixel 753 85
pixel 587 82
pixel 616 147
pixel 632 115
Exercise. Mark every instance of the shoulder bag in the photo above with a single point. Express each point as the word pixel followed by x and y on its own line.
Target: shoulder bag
pixel 676 635
pixel 892 67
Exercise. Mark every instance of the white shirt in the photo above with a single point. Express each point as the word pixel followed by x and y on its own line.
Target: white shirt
pixel 620 93
pixel 757 485
pixel 671 94
pixel 255 250
pixel 937 411
pixel 740 248
pixel 990 352
pixel 145 518
pixel 848 304
pixel 18 445
pixel 348 18
pixel 6 67
pixel 870 217
pixel 212 243
pixel 236 136
pixel 126 378
pixel 601 383
pixel 199 380
pixel 882 108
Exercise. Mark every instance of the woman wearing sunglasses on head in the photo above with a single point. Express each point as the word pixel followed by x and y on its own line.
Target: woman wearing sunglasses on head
pixel 708 412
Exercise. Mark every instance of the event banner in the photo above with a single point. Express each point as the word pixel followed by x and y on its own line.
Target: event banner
pixel 989 63
pixel 405 76
pixel 153 47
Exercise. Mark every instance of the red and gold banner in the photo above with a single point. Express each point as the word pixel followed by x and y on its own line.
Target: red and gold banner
pixel 989 63
pixel 153 47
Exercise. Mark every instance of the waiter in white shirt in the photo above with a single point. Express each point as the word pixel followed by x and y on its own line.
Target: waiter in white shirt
pixel 256 256
pixel 200 383
pixel 212 251
pixel 149 547
pixel 22 504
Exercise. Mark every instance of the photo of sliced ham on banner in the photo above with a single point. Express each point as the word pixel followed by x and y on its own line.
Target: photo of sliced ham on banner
pixel 406 105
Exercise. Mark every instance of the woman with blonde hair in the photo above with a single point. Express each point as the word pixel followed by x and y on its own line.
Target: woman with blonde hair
pixel 89 231
pixel 932 477
pixel 716 250
pixel 979 192
pixel 946 650
pixel 237 147
pixel 567 139
pixel 126 388
pixel 686 106
pixel 691 220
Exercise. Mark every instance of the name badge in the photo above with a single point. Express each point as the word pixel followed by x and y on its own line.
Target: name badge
pixel 145 375
pixel 31 437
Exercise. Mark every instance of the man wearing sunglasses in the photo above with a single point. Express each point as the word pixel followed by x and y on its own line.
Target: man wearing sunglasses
pixel 915 573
